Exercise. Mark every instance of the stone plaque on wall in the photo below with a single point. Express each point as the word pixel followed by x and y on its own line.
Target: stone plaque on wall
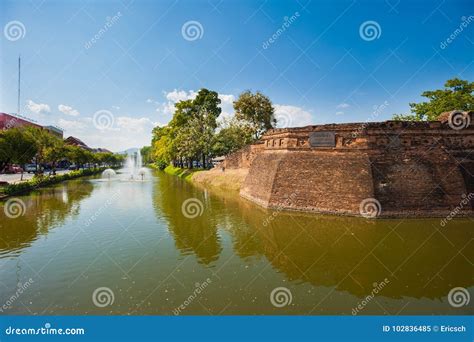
pixel 322 139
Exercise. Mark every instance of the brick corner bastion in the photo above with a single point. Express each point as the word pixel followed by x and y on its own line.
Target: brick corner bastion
pixel 398 168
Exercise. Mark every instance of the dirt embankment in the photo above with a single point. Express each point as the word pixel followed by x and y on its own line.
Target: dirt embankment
pixel 230 179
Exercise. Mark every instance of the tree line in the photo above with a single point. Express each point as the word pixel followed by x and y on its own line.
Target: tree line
pixel 194 135
pixel 21 145
pixel 456 95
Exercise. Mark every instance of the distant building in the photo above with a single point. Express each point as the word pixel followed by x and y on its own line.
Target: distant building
pixel 56 131
pixel 73 141
pixel 8 121
pixel 101 150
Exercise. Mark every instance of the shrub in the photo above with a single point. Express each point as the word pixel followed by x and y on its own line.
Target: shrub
pixel 40 180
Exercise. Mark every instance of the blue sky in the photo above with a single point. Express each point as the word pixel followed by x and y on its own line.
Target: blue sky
pixel 321 67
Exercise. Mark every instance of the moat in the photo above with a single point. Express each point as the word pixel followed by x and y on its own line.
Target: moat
pixel 133 238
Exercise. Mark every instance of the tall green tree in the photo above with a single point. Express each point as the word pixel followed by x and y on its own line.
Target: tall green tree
pixel 54 151
pixel 162 146
pixel 43 140
pixel 78 155
pixel 203 122
pixel 16 147
pixel 233 135
pixel 457 95
pixel 145 151
pixel 256 109
pixel 189 136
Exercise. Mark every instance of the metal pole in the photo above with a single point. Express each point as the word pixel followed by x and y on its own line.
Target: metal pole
pixel 19 70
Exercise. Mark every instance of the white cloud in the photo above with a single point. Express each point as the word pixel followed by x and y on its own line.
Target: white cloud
pixel 166 108
pixel 227 105
pixel 71 124
pixel 292 116
pixel 126 132
pixel 137 125
pixel 343 105
pixel 38 108
pixel 68 110
pixel 180 95
pixel 116 107
pixel 339 113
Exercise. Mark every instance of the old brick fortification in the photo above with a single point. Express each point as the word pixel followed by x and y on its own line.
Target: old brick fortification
pixel 411 168
pixel 242 158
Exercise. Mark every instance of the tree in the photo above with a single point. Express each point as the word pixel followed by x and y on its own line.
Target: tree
pixel 257 109
pixel 54 151
pixel 189 136
pixel 78 155
pixel 146 154
pixel 16 146
pixel 233 135
pixel 457 95
pixel 43 140
pixel 162 146
pixel 204 121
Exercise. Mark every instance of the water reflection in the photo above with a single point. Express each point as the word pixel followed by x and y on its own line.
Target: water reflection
pixel 44 209
pixel 191 235
pixel 134 238
pixel 419 257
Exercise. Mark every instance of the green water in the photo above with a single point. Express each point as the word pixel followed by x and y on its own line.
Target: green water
pixel 133 238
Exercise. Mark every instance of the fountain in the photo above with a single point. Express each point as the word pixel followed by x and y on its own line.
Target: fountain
pixel 108 173
pixel 142 172
pixel 133 167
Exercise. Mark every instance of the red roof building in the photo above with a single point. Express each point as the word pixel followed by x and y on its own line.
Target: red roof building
pixel 8 121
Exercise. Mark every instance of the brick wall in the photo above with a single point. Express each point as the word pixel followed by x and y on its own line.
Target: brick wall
pixel 242 158
pixel 412 169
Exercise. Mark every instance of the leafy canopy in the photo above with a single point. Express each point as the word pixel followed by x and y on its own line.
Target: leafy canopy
pixel 257 110
pixel 457 95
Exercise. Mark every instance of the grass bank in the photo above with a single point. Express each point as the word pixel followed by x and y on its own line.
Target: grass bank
pixel 230 180
pixel 187 174
pixel 39 182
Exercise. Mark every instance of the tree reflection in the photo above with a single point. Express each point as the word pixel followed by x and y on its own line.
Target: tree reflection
pixel 191 235
pixel 419 257
pixel 44 209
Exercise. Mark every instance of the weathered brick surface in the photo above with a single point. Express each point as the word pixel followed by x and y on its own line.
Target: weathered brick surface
pixel 242 158
pixel 412 169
